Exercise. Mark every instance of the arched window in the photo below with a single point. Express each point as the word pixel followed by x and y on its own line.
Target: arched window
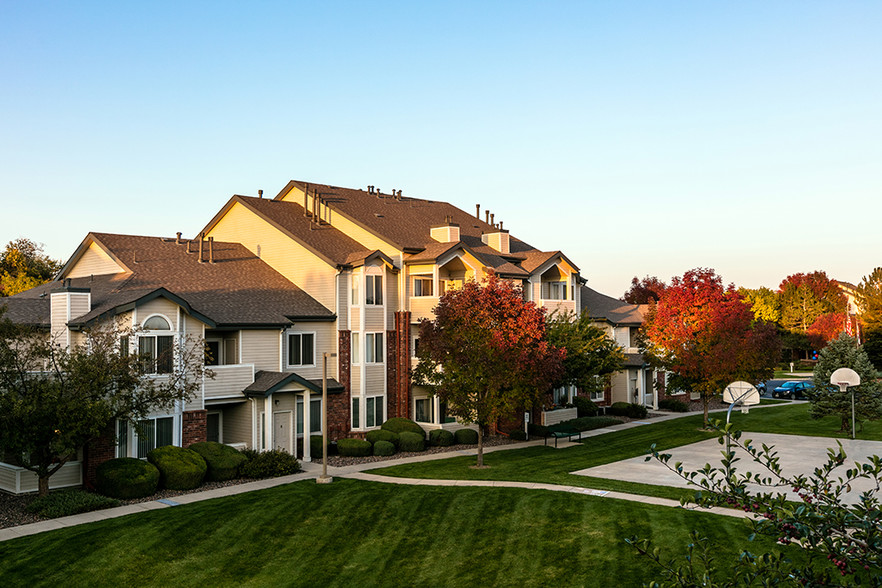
pixel 156 351
pixel 156 323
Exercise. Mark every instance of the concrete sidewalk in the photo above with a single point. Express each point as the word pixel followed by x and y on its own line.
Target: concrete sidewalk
pixel 313 471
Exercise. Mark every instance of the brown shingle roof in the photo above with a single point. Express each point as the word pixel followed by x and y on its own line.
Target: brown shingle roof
pixel 237 289
pixel 601 306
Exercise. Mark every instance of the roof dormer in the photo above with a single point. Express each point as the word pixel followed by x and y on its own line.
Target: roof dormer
pixel 498 240
pixel 446 233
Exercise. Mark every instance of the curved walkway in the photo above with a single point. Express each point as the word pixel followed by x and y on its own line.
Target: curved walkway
pixel 359 472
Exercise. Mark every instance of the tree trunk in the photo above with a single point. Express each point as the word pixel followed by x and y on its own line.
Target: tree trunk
pixel 43 485
pixel 480 446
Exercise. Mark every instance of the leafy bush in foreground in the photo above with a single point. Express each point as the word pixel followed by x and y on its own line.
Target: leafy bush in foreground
pixel 384 448
pixel 179 468
pixel 268 464
pixel 127 477
pixel 400 425
pixel 466 437
pixel 441 438
pixel 353 447
pixel 411 442
pixel 69 502
pixel 382 435
pixel 222 460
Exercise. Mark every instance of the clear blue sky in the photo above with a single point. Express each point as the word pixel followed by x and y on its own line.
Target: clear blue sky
pixel 638 137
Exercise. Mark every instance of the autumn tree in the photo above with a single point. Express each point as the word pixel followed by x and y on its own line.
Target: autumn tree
pixel 826 328
pixel 487 353
pixel 23 265
pixel 644 291
pixel 805 297
pixel 828 399
pixel 589 350
pixel 869 300
pixel 705 335
pixel 763 302
pixel 54 400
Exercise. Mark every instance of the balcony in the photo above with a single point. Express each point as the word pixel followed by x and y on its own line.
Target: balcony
pixel 421 307
pixel 229 381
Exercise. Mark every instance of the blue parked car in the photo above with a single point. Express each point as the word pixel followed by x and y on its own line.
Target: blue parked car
pixel 795 389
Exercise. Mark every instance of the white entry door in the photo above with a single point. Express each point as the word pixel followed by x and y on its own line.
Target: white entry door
pixel 282 426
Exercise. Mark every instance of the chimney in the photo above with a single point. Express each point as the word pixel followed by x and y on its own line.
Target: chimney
pixel 491 219
pixel 211 250
pixel 498 240
pixel 260 193
pixel 487 216
pixel 201 241
pixel 178 240
pixel 500 226
pixel 478 211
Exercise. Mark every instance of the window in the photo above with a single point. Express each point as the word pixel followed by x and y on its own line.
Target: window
pixel 373 290
pixel 597 395
pixel 212 352
pixel 422 286
pixel 356 348
pixel 156 352
pixel 416 347
pixel 561 395
pixel 356 414
pixel 301 349
pixel 147 435
pixel 373 348
pixel 554 290
pixel 374 407
pixel 156 323
pixel 124 345
pixel 423 410
pixel 315 416
pixel 355 298
pixel 213 427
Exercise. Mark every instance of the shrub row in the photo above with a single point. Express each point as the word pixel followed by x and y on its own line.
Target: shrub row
pixel 401 434
pixel 630 410
pixel 673 404
pixel 69 502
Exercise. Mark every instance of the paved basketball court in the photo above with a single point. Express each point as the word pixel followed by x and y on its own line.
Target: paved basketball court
pixel 797 455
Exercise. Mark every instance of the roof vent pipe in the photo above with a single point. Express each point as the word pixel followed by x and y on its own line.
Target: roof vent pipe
pixel 478 211
pixel 491 219
pixel 500 226
pixel 305 202
pixel 201 241
pixel 260 193
pixel 211 250
pixel 487 216
pixel 178 240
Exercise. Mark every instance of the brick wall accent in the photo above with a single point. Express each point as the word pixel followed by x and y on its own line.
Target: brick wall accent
pixel 339 420
pixel 195 427
pixel 392 367
pixel 97 452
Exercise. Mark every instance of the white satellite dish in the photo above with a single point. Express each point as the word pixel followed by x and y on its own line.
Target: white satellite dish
pixel 743 393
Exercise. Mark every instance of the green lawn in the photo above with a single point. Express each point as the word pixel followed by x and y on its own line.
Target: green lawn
pixel 353 533
pixel 546 464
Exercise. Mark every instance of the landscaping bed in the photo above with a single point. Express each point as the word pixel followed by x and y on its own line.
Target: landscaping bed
pixel 341 461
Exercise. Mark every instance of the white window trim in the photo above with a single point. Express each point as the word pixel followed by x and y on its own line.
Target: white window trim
pixel 288 335
pixel 421 277
pixel 372 347
pixel 132 434
pixel 153 334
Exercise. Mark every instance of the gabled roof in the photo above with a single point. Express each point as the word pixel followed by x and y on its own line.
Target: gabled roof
pixel 402 221
pixel 266 383
pixel 602 307
pixel 237 289
pixel 325 241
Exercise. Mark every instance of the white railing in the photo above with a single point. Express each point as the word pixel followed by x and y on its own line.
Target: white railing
pixel 229 380
pixel 553 417
pixel 17 480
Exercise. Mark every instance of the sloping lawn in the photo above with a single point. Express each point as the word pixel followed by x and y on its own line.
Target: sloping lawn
pixel 549 465
pixel 353 533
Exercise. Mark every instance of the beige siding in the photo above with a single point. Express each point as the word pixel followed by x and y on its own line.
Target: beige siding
pixel 229 380
pixel 80 304
pixel 355 374
pixel 236 423
pixel 373 319
pixel 355 318
pixel 24 481
pixel 421 307
pixel 162 306
pixel 58 318
pixel 559 306
pixel 343 295
pixel 7 478
pixel 391 297
pixel 325 340
pixel 261 348
pixel 376 380
pixel 284 254
pixel 94 262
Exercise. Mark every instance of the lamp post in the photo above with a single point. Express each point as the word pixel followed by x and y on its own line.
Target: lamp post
pixel 325 478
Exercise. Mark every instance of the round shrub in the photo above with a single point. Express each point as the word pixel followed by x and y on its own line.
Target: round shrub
pixel 353 447
pixel 637 411
pixel 382 435
pixel 518 435
pixel 618 409
pixel 400 425
pixel 466 437
pixel 411 442
pixel 584 406
pixel 384 448
pixel 268 464
pixel 127 477
pixel 441 438
pixel 673 404
pixel 222 460
pixel 315 447
pixel 179 468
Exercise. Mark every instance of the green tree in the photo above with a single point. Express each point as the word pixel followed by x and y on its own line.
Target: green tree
pixel 840 537
pixel 23 265
pixel 705 335
pixel 487 353
pixel 828 399
pixel 869 300
pixel 589 351
pixel 805 297
pixel 763 302
pixel 54 400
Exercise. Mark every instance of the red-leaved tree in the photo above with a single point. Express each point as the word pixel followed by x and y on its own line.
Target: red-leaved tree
pixel 487 353
pixel 826 328
pixel 706 336
pixel 644 291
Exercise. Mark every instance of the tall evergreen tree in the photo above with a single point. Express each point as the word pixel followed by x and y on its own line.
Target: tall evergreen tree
pixel 869 299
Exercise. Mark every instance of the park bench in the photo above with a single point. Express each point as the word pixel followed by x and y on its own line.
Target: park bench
pixel 562 433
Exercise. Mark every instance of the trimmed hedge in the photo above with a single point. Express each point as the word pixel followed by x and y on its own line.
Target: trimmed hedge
pixel 518 435
pixel 127 477
pixel 586 424
pixel 179 468
pixel 315 446
pixel 441 438
pixel 268 464
pixel 400 425
pixel 466 437
pixel 70 502
pixel 585 406
pixel 222 460
pixel 634 411
pixel 673 404
pixel 382 435
pixel 353 447
pixel 384 448
pixel 411 441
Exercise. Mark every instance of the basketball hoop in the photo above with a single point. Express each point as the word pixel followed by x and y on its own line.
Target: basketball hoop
pixel 846 378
